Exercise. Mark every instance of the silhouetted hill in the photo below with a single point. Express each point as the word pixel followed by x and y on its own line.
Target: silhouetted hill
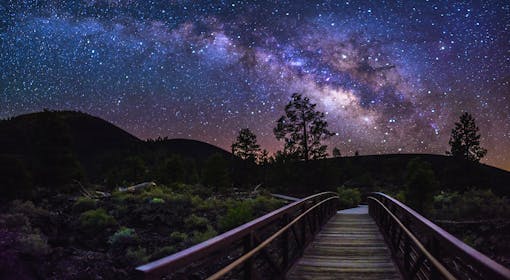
pixel 97 144
pixel 89 135
pixel 188 148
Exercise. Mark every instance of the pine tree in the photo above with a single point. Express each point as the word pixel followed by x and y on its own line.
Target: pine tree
pixel 246 146
pixel 302 128
pixel 263 157
pixel 336 152
pixel 465 140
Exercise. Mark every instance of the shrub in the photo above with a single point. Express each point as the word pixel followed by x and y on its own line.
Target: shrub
pixel 16 221
pixel 163 252
pixel 33 244
pixel 199 236
pixel 177 236
pixel 264 204
pixel 84 204
pixel 29 209
pixel 348 197
pixel 196 222
pixel 95 221
pixel 136 256
pixel 157 200
pixel 238 213
pixel 472 204
pixel 123 237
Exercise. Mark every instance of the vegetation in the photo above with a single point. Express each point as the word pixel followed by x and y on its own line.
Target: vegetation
pixel 201 190
pixel 465 139
pixel 245 147
pixel 122 231
pixel 336 152
pixel 348 197
pixel 216 173
pixel 420 185
pixel 303 129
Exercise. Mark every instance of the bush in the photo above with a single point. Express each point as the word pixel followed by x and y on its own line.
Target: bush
pixel 471 205
pixel 96 221
pixel 263 204
pixel 16 221
pixel 238 213
pixel 33 244
pixel 199 236
pixel 178 237
pixel 136 256
pixel 163 252
pixel 348 197
pixel 196 222
pixel 29 209
pixel 123 238
pixel 157 200
pixel 84 204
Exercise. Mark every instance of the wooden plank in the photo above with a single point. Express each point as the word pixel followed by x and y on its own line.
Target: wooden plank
pixel 348 247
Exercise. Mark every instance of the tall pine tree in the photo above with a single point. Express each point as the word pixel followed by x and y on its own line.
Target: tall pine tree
pixel 245 146
pixel 303 129
pixel 465 140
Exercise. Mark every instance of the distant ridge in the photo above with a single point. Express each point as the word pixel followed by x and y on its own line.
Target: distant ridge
pixel 190 148
pixel 92 139
pixel 97 144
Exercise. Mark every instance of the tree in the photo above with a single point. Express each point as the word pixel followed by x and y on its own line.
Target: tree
pixel 420 184
pixel 216 173
pixel 336 152
pixel 56 165
pixel 302 128
pixel 263 157
pixel 465 140
pixel 245 146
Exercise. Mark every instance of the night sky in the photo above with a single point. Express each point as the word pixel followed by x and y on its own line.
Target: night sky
pixel 391 77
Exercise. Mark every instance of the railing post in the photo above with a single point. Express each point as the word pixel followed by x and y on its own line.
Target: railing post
pixel 303 230
pixel 434 250
pixel 285 245
pixel 407 256
pixel 248 265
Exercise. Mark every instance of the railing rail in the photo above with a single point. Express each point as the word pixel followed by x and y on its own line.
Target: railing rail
pixel 425 251
pixel 253 246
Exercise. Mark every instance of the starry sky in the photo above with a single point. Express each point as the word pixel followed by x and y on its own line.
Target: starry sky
pixel 391 76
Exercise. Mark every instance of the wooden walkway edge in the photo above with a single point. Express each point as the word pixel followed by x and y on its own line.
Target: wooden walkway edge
pixel 349 246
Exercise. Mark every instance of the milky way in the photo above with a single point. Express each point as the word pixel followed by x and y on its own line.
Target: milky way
pixel 391 77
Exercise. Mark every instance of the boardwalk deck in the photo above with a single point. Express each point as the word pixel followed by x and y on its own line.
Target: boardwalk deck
pixel 349 246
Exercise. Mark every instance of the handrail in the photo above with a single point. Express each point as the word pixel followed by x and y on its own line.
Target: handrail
pixel 248 255
pixel 422 248
pixel 451 248
pixel 173 262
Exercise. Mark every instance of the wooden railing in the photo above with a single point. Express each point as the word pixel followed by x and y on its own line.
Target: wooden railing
pixel 423 250
pixel 264 248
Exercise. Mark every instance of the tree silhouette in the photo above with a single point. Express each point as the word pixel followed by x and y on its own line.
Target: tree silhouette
pixel 420 184
pixel 216 173
pixel 465 139
pixel 302 128
pixel 245 146
pixel 263 157
pixel 336 152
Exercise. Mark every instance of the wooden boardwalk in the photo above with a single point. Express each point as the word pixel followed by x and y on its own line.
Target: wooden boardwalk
pixel 349 246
